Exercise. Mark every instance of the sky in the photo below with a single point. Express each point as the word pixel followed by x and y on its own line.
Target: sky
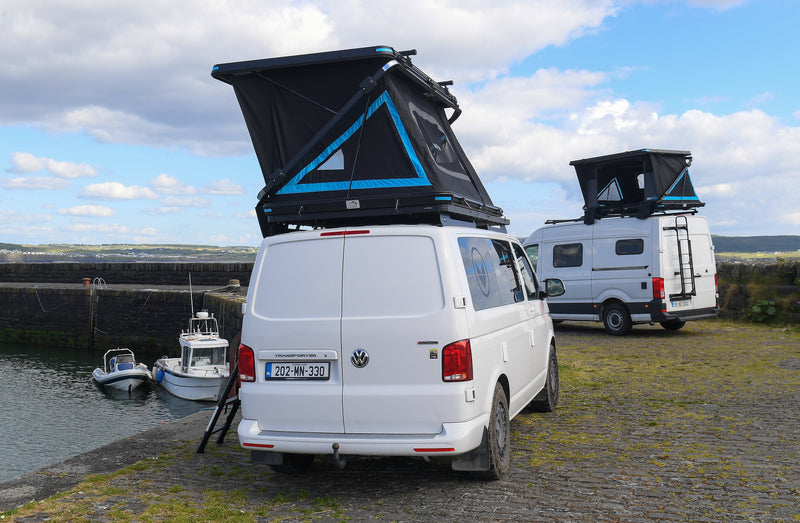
pixel 113 131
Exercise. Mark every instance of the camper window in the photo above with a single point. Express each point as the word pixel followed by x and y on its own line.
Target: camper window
pixel 568 255
pixel 632 246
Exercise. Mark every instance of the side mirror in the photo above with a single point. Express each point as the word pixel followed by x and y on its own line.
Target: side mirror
pixel 554 286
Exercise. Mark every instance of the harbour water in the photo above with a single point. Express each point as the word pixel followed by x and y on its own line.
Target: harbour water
pixel 51 410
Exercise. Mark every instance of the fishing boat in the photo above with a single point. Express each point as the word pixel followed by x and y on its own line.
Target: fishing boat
pixel 121 371
pixel 202 369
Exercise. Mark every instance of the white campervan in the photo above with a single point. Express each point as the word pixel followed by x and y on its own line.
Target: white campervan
pixel 393 340
pixel 627 270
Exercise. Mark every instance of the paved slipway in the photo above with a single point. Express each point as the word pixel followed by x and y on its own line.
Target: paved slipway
pixel 697 425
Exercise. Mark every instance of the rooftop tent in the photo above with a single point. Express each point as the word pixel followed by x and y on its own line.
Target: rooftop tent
pixel 359 136
pixel 636 183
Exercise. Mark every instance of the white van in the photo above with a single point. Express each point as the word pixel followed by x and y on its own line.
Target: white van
pixel 393 340
pixel 627 270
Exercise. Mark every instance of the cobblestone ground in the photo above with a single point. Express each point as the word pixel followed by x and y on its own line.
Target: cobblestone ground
pixel 696 425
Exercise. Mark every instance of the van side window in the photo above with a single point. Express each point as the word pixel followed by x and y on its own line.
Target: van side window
pixel 528 275
pixel 533 253
pixel 632 246
pixel 491 273
pixel 568 255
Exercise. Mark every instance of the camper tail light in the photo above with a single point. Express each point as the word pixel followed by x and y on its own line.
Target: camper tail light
pixel 658 289
pixel 457 361
pixel 247 364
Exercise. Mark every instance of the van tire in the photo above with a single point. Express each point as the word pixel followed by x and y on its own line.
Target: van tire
pixel 547 399
pixel 499 441
pixel 616 319
pixel 673 325
pixel 294 463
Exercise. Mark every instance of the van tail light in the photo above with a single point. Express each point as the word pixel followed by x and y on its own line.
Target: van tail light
pixel 457 361
pixel 247 364
pixel 658 289
pixel 716 286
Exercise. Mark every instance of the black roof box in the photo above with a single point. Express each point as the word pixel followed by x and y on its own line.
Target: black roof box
pixel 636 183
pixel 358 136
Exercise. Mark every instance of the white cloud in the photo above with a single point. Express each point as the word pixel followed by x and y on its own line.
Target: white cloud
pixel 166 184
pixel 37 182
pixel 185 201
pixel 24 163
pixel 140 73
pixel 14 217
pixel 94 211
pixel 101 228
pixel 223 187
pixel 159 211
pixel 116 191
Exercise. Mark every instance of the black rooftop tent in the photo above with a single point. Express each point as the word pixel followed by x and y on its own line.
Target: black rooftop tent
pixel 358 136
pixel 636 183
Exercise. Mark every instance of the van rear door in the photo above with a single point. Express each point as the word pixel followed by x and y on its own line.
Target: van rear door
pixel 293 326
pixel 688 265
pixel 395 321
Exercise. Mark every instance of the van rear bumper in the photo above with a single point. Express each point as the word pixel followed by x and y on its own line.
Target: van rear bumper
pixel 689 315
pixel 454 439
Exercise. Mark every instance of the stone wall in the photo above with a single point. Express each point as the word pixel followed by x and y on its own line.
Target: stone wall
pixel 146 320
pixel 150 273
pixel 742 285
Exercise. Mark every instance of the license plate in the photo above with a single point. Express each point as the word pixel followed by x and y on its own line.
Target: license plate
pixel 680 304
pixel 298 371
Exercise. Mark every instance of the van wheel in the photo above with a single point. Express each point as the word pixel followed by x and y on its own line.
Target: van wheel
pixel 547 399
pixel 673 325
pixel 499 437
pixel 294 463
pixel 616 319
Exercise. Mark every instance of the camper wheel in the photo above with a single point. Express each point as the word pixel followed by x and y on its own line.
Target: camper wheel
pixel 616 319
pixel 673 325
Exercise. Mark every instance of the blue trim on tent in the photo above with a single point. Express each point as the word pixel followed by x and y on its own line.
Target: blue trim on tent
pixel 294 187
pixel 678 179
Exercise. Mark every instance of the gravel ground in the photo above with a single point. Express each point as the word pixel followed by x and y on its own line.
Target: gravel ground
pixel 696 425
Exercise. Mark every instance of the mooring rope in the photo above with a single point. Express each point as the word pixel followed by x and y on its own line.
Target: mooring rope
pixel 38 298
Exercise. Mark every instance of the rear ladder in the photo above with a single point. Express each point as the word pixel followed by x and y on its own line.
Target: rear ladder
pixel 685 260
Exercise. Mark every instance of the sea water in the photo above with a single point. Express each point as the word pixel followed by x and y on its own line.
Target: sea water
pixel 51 410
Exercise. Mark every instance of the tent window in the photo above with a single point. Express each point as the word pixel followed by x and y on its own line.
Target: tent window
pixel 439 146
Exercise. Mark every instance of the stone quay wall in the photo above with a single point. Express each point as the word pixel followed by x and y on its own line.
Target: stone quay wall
pixel 139 273
pixel 144 306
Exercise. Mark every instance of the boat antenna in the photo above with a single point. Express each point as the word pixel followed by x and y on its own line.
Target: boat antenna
pixel 191 296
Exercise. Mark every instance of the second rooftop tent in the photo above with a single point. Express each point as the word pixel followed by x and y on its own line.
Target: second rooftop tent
pixel 636 183
pixel 358 136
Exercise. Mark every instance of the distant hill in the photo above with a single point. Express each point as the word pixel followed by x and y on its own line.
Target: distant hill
pixel 752 244
pixel 124 253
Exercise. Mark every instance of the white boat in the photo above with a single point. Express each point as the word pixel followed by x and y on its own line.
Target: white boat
pixel 121 371
pixel 202 369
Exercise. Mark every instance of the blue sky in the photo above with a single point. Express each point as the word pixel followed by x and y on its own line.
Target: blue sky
pixel 113 131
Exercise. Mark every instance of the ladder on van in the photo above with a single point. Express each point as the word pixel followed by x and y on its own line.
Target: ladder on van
pixel 685 261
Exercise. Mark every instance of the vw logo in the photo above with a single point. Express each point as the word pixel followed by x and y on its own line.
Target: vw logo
pixel 360 358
